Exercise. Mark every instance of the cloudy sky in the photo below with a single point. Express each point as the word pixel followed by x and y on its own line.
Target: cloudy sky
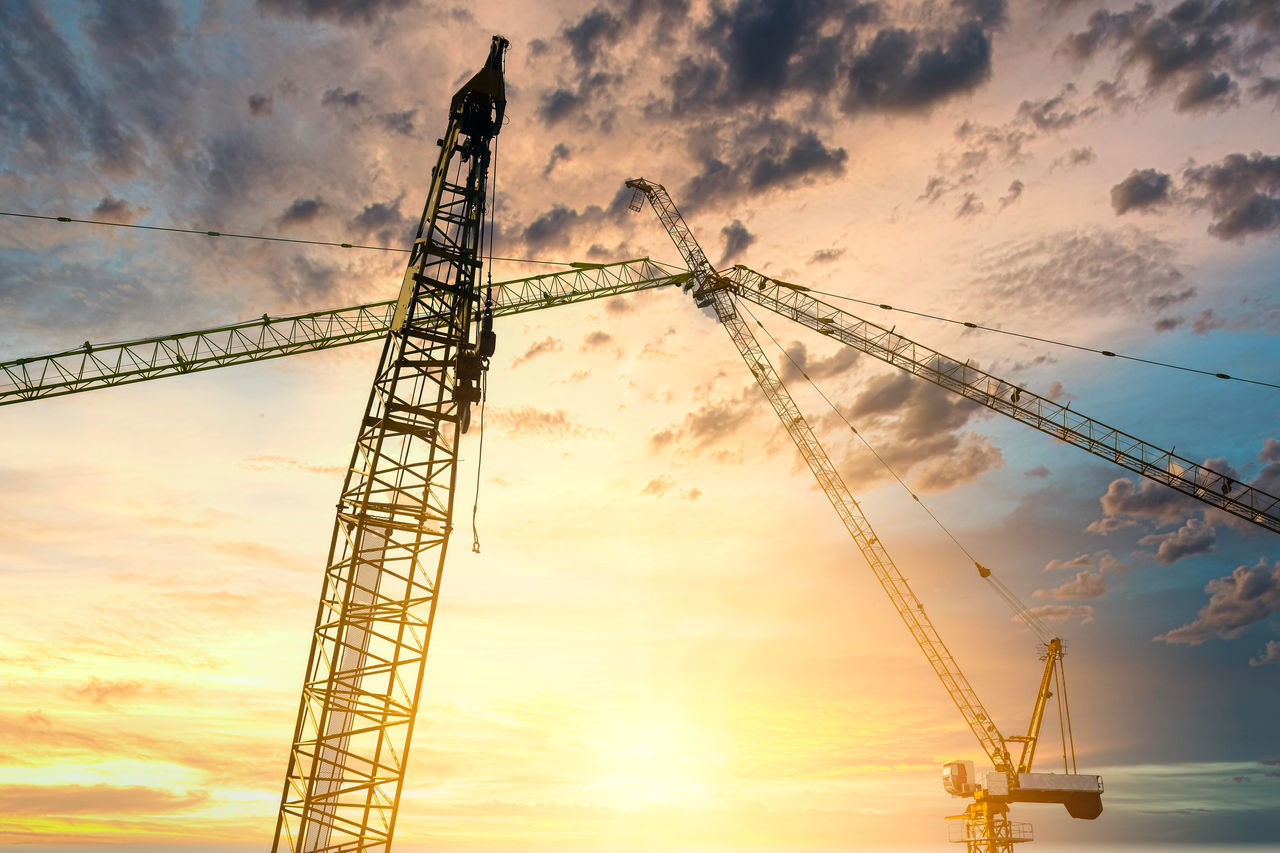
pixel 666 640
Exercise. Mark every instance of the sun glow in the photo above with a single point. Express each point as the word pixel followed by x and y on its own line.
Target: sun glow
pixel 666 759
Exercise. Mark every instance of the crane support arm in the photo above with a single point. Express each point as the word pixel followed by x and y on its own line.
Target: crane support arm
pixel 1053 654
pixel 710 288
pixel 855 521
pixel 1106 442
pixel 94 366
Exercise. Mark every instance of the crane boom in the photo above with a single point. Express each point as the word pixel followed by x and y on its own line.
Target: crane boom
pixel 1163 466
pixel 94 366
pixel 710 288
pixel 380 589
pixel 986 825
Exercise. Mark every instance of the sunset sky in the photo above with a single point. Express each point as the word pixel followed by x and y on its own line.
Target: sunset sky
pixel 667 640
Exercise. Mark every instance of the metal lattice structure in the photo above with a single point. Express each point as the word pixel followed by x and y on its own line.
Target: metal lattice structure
pixel 386 557
pixel 986 824
pixel 712 289
pixel 999 395
pixel 95 366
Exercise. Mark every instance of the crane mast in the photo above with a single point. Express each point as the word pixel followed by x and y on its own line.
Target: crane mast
pixel 378 601
pixel 986 824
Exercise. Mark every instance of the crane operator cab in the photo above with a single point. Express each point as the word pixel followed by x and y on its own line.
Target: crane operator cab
pixel 957 778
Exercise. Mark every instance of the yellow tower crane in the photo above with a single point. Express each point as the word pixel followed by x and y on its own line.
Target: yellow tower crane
pixel 985 823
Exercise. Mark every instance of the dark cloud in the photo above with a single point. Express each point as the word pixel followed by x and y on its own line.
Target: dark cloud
pixel 597 31
pixel 138 49
pixel 399 122
pixel 343 12
pixel 1192 44
pixel 304 282
pixel 1013 194
pixel 796 162
pixel 339 97
pixel 383 221
pixel 894 74
pixel 558 104
pixel 1142 190
pixel 826 256
pixel 542 347
pixel 1268 479
pixel 302 211
pixel 992 13
pixel 1080 156
pixel 1038 472
pixel 1205 322
pixel 765 52
pixel 1084 272
pixel 46 102
pixel 1124 503
pixel 1270 654
pixel 1056 113
pixel 597 340
pixel 712 423
pixel 1086 584
pixel 260 105
pixel 558 154
pixel 917 428
pixel 1207 90
pixel 1166 324
pixel 1246 596
pixel 1242 193
pixel 112 209
pixel 736 240
pixel 799 364
pixel 760 51
pixel 1266 87
pixel 970 206
pixel 760 156
pixel 558 227
pixel 1192 538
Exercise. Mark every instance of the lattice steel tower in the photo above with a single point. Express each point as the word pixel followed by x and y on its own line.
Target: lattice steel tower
pixel 378 602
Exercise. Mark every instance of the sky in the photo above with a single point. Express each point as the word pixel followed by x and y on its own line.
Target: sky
pixel 666 639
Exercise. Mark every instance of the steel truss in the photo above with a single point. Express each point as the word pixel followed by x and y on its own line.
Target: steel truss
pixel 709 288
pixel 378 601
pixel 94 366
pixel 999 395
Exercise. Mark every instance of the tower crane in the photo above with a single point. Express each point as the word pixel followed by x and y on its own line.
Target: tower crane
pixel 386 557
pixel 986 824
pixel 387 552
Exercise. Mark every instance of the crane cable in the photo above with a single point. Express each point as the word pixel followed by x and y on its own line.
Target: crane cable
pixel 983 328
pixel 484 374
pixel 1020 610
pixel 886 307
pixel 207 233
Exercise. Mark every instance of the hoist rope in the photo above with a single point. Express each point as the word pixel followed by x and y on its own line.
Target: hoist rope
pixel 1021 611
pixel 484 374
